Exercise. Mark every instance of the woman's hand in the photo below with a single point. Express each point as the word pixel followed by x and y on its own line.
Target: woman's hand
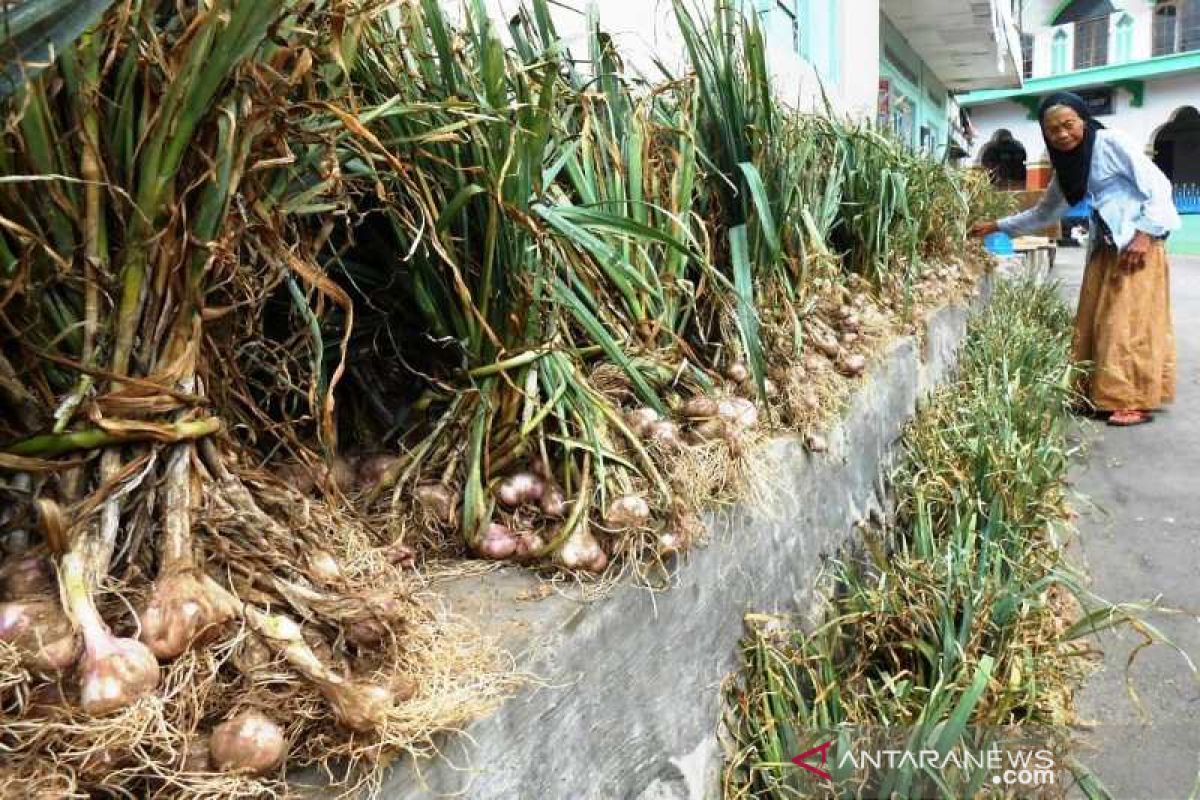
pixel 981 229
pixel 1133 257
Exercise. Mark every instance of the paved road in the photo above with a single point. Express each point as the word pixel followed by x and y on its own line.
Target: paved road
pixel 1140 527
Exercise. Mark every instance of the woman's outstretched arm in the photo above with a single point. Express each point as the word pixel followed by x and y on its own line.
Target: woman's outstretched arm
pixel 1049 209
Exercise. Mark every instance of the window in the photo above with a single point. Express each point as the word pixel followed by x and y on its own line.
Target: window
pixel 1166 29
pixel 897 63
pixel 1099 101
pixel 1176 27
pixel 1058 53
pixel 1189 25
pixel 903 117
pixel 1124 39
pixel 1091 43
pixel 1027 54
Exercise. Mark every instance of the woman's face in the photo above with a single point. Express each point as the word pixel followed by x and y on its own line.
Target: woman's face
pixel 1064 128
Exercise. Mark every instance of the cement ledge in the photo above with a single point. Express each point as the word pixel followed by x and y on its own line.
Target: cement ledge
pixel 630 706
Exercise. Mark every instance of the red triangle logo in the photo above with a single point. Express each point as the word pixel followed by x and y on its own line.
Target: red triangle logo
pixel 802 760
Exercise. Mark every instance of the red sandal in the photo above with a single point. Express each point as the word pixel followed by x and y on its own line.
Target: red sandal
pixel 1127 418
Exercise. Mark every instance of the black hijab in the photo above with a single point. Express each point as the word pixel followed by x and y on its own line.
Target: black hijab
pixel 1072 167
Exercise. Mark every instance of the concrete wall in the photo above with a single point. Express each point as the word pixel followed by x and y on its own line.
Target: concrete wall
pixel 630 703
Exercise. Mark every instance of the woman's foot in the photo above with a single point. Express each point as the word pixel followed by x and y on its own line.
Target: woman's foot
pixel 1129 417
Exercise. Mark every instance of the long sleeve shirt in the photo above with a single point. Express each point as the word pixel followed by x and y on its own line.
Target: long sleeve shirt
pixel 1127 190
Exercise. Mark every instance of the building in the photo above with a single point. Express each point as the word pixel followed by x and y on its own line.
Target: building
pixel 899 61
pixel 932 50
pixel 1135 62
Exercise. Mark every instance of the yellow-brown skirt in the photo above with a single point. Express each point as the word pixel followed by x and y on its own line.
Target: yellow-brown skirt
pixel 1124 329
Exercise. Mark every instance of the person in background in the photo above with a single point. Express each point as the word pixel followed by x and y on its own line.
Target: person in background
pixel 1123 325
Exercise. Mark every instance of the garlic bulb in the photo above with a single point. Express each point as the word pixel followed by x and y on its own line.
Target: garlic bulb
pixel 700 408
pixel 498 543
pixel 581 551
pixel 381 617
pixel 737 372
pixel 371 469
pixel 28 576
pixel 852 365
pixel 360 707
pixel 665 435
pixel 738 412
pixel 323 566
pixel 180 612
pixel 114 672
pixel 437 503
pixel 554 502
pixel 520 489
pixel 628 511
pixel 250 743
pixel 40 631
pixel 640 419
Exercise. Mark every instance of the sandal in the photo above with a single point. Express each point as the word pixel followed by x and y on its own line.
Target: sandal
pixel 1128 418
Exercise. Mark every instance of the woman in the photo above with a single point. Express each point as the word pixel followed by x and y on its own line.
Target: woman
pixel 1123 325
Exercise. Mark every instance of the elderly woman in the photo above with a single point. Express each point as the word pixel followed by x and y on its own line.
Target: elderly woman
pixel 1123 325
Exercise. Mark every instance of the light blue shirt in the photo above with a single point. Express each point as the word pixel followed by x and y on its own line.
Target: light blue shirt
pixel 1124 186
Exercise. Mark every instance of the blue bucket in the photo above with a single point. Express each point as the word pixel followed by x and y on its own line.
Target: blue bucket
pixel 998 243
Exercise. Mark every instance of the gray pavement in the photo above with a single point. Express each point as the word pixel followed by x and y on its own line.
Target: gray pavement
pixel 1138 493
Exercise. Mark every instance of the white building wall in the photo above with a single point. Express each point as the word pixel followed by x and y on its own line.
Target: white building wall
pixel 1036 13
pixel 1009 116
pixel 860 59
pixel 1164 97
pixel 1143 28
pixel 646 31
pixel 1035 22
pixel 1041 56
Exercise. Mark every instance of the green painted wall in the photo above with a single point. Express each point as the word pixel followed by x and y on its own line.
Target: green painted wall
pixel 825 51
pixel 820 31
pixel 916 82
pixel 816 39
pixel 1186 241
